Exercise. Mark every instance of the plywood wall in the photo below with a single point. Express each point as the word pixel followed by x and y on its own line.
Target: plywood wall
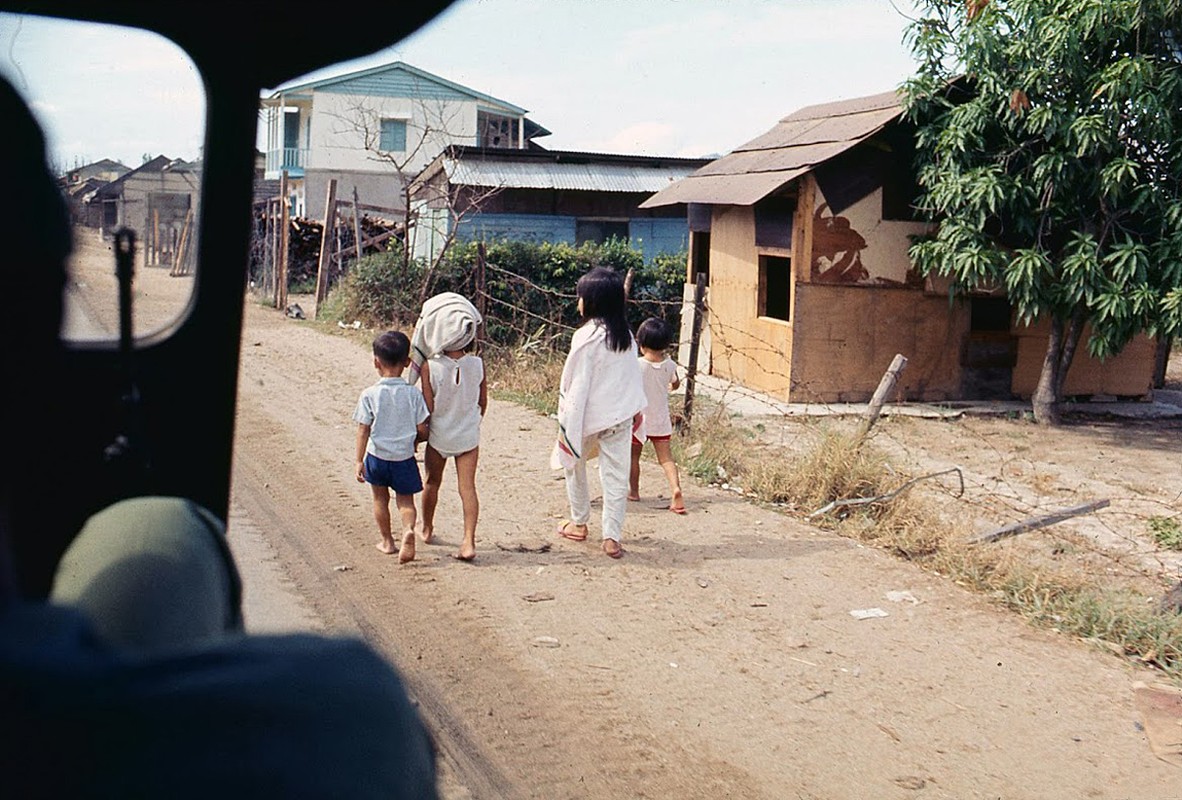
pixel 745 348
pixel 1127 374
pixel 846 336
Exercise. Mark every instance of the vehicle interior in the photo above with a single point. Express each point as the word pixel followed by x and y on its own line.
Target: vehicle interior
pixel 159 410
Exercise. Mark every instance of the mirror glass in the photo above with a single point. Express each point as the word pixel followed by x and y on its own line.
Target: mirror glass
pixel 123 114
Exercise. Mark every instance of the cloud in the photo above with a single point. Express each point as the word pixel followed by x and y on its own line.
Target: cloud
pixel 642 137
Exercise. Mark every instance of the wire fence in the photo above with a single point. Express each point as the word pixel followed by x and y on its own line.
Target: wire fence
pixel 523 312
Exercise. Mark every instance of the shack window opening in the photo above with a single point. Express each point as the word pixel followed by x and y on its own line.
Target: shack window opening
pixel 699 256
pixel 600 230
pixel 774 287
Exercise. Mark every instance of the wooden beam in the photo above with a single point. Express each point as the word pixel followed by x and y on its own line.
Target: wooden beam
pixel 356 225
pixel 691 369
pixel 885 387
pixel 1038 522
pixel 394 212
pixel 323 268
pixel 284 244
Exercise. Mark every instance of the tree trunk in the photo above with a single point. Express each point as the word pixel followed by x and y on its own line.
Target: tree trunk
pixel 1061 346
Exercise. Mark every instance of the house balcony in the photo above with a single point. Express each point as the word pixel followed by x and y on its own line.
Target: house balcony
pixel 292 159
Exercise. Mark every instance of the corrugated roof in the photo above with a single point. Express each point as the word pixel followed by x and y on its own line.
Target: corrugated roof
pixel 798 143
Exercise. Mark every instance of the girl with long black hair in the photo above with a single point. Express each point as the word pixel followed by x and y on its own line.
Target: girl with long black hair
pixel 600 398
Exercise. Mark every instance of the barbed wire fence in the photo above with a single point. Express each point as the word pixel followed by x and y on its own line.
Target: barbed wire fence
pixel 525 315
pixel 522 314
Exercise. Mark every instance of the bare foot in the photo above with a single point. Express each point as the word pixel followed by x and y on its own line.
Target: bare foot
pixel 467 548
pixel 677 504
pixel 407 551
pixel 634 498
pixel 387 547
pixel 428 534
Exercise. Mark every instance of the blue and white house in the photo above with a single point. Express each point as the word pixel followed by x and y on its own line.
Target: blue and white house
pixel 377 128
pixel 554 196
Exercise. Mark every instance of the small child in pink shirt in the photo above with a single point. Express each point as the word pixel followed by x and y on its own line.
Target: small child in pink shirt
pixel 660 377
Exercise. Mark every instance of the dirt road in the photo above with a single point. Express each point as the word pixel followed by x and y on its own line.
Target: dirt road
pixel 719 658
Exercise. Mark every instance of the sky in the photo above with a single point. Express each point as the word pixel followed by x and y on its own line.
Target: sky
pixel 654 77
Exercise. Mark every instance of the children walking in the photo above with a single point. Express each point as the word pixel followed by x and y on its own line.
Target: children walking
pixel 391 418
pixel 600 399
pixel 659 376
pixel 456 394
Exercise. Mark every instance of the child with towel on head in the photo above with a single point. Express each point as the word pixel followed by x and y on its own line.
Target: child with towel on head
pixel 454 386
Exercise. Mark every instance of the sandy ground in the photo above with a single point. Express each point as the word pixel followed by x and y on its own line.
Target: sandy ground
pixel 719 657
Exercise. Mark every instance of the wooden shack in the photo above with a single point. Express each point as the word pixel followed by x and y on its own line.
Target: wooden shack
pixel 803 233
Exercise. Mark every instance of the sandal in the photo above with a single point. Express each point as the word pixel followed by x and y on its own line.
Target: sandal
pixel 612 548
pixel 569 530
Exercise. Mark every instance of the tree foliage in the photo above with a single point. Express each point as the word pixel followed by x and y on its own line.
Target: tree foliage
pixel 1050 152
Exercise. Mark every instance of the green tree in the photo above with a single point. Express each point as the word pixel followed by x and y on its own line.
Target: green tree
pixel 1049 142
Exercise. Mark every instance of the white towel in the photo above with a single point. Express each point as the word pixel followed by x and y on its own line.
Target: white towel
pixel 448 321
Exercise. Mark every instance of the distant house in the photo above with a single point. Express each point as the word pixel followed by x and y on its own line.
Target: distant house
pixel 79 185
pixel 373 129
pixel 540 195
pixel 802 234
pixel 104 171
pixel 159 200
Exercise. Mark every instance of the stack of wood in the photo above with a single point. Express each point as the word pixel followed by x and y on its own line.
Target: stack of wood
pixel 303 250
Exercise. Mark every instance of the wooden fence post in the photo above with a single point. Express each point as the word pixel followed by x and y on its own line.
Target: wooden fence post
pixel 691 370
pixel 284 244
pixel 323 265
pixel 356 224
pixel 885 387
pixel 481 290
pixel 272 247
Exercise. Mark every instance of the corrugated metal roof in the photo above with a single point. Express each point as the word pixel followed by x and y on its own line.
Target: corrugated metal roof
pixel 594 177
pixel 797 144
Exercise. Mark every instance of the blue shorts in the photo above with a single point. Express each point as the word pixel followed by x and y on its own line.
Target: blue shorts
pixel 401 476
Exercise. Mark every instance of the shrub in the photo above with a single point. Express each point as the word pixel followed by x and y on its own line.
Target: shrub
pixel 529 288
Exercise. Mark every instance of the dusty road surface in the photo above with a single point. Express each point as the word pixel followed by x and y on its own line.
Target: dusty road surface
pixel 718 658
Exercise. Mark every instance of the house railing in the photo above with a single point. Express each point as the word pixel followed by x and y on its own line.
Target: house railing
pixel 292 159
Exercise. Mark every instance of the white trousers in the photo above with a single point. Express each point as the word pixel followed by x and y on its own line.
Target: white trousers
pixel 615 461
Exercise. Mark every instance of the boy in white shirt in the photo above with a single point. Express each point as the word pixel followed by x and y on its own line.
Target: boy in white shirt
pixel 391 419
pixel 660 377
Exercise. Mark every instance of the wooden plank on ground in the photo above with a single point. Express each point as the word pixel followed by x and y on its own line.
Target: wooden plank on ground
pixel 1038 522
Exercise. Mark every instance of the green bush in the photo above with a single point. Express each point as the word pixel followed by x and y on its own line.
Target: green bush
pixel 379 291
pixel 530 288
